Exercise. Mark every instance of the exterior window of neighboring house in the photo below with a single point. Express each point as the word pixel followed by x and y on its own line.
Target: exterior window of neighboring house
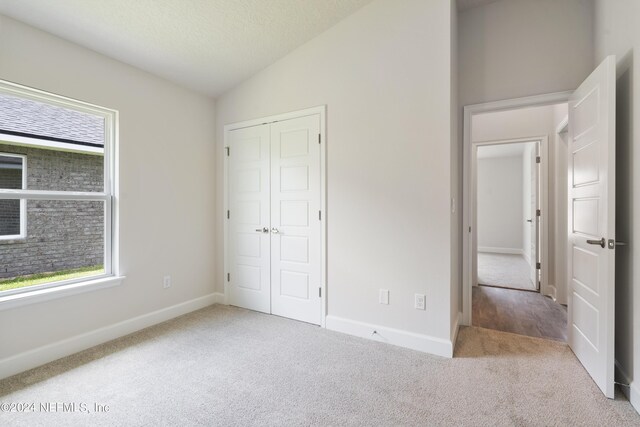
pixel 13 176
pixel 57 217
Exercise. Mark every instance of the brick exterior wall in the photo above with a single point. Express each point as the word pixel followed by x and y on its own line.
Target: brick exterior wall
pixel 60 234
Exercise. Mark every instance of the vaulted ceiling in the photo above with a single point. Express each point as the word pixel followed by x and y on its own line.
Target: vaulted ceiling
pixel 206 45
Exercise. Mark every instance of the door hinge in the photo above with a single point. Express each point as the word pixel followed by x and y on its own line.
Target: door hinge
pixel 538 266
pixel 228 277
pixel 319 215
pixel 319 292
pixel 538 212
pixel 319 139
pixel 228 150
pixel 538 159
pixel 228 214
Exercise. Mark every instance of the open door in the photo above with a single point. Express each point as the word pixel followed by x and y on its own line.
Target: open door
pixel 535 216
pixel 591 233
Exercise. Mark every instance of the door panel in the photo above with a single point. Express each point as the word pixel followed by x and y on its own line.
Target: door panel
pixel 535 224
pixel 249 212
pixel 296 227
pixel 591 216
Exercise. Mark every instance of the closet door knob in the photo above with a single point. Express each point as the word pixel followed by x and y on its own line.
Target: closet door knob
pixel 262 230
pixel 275 230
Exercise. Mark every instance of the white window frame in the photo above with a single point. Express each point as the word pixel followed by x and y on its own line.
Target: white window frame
pixel 111 275
pixel 23 203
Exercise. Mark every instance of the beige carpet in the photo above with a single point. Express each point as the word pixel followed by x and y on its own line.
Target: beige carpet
pixel 225 366
pixel 505 271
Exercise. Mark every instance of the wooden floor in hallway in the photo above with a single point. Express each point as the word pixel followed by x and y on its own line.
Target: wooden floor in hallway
pixel 519 312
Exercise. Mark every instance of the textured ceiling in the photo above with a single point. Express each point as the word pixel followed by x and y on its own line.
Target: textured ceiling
pixel 469 4
pixel 206 45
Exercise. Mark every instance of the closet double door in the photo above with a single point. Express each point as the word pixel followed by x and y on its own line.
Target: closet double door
pixel 274 219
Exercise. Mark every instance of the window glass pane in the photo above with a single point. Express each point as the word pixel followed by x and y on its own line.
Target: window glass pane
pixel 9 218
pixel 64 240
pixel 10 171
pixel 56 170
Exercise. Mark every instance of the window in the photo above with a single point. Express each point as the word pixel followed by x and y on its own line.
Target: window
pixel 57 217
pixel 13 176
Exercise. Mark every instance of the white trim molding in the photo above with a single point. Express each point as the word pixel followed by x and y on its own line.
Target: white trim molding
pixel 218 298
pixel 468 174
pixel 455 328
pixel 401 338
pixel 21 362
pixel 37 294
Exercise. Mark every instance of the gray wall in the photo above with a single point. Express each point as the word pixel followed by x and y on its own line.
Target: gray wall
pixel 60 234
pixel 500 185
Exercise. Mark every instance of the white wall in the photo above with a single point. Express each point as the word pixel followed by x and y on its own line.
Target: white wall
pixel 526 203
pixel 559 187
pixel 456 182
pixel 617 33
pixel 166 173
pixel 385 75
pixel 515 48
pixel 499 193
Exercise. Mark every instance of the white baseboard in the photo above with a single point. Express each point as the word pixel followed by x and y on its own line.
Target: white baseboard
pixel 39 356
pixel 551 291
pixel 218 298
pixel 632 393
pixel 412 340
pixel 491 250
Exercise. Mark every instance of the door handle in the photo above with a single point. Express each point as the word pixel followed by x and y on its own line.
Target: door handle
pixel 602 242
pixel 529 220
pixel 275 230
pixel 262 230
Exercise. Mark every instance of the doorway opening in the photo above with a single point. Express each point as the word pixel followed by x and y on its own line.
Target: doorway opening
pixel 508 201
pixel 515 209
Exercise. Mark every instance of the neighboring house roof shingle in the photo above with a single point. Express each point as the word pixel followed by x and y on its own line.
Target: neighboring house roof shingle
pixel 26 117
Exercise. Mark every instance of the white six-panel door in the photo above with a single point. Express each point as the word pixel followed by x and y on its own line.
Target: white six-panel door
pixel 274 231
pixel 249 214
pixel 295 220
pixel 591 248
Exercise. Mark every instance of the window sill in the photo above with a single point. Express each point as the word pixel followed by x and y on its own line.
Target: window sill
pixel 13 240
pixel 40 295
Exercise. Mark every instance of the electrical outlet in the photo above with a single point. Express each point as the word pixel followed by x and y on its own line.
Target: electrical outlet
pixel 384 296
pixel 420 302
pixel 166 282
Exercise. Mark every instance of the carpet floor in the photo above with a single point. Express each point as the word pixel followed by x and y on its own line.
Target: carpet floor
pixel 504 270
pixel 226 366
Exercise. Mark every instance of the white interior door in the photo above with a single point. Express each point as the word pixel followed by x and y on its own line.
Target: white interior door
pixel 249 218
pixel 590 257
pixel 534 205
pixel 295 221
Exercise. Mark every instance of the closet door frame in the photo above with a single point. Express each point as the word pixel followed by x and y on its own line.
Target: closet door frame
pixel 321 112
